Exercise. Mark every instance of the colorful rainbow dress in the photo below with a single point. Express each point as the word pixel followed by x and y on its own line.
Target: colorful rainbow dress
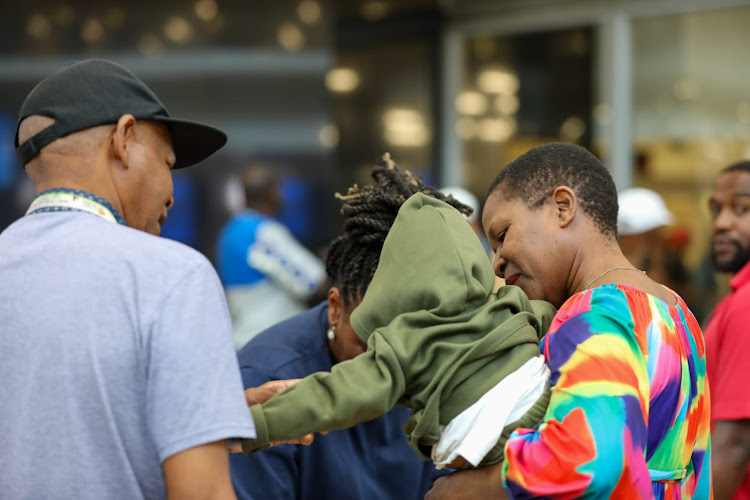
pixel 629 411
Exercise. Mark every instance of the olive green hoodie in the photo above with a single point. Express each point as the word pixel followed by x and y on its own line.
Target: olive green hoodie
pixel 437 339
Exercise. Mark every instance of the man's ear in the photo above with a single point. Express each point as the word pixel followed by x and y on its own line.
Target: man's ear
pixel 335 305
pixel 565 205
pixel 122 138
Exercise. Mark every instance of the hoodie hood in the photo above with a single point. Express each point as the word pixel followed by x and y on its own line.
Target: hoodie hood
pixel 432 261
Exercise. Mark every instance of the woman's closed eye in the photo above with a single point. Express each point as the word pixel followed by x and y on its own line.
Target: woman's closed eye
pixel 501 235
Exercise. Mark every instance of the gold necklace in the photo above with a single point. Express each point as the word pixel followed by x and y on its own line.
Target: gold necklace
pixel 613 269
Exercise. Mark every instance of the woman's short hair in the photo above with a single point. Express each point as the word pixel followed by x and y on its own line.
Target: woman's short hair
pixel 533 177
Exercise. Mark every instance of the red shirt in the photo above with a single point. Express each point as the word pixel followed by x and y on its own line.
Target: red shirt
pixel 727 339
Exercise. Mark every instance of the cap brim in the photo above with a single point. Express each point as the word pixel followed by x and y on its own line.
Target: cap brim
pixel 192 142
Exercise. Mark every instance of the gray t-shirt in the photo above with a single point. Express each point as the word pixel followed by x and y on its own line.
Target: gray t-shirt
pixel 116 354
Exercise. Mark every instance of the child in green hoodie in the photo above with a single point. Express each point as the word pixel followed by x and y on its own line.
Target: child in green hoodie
pixel 465 360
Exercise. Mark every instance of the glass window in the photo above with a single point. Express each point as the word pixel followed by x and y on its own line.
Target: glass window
pixel 691 118
pixel 255 71
pixel 520 91
pixel 387 106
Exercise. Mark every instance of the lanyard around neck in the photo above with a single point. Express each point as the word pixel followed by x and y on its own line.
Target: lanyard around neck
pixel 67 200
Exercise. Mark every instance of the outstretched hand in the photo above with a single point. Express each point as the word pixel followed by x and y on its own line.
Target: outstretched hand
pixel 261 394
pixel 485 483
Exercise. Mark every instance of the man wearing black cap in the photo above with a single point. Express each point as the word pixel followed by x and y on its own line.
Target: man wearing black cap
pixel 119 376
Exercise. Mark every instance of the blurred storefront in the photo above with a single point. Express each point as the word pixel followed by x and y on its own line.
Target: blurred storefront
pixel 454 89
pixel 657 89
pixel 253 69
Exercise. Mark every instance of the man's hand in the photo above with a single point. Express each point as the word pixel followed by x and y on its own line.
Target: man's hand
pixel 485 483
pixel 261 394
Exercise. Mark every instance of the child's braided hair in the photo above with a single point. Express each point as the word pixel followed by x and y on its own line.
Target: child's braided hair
pixel 369 213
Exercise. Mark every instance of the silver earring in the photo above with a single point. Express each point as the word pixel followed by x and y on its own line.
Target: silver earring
pixel 331 333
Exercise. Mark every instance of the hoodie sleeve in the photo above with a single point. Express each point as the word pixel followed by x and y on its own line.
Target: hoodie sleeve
pixel 592 439
pixel 355 391
pixel 628 415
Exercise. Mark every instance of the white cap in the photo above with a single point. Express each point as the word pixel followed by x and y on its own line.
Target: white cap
pixel 641 210
pixel 465 197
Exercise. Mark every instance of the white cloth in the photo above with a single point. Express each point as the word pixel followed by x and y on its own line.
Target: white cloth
pixel 474 431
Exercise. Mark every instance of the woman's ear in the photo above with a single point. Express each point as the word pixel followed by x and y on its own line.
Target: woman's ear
pixel 335 306
pixel 122 136
pixel 565 205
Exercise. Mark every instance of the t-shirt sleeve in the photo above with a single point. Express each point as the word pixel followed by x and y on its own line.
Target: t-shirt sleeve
pixel 271 473
pixel 194 392
pixel 592 438
pixel 731 369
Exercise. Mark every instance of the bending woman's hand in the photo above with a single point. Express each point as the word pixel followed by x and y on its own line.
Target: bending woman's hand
pixel 261 394
pixel 485 483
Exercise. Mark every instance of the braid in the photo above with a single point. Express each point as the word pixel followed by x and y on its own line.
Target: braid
pixel 369 213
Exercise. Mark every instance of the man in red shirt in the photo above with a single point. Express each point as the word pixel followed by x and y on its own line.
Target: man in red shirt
pixel 728 335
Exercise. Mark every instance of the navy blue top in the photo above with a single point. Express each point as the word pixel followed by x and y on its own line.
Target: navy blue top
pixel 369 461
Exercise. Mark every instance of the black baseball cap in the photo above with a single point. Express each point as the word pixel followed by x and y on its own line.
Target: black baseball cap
pixel 97 92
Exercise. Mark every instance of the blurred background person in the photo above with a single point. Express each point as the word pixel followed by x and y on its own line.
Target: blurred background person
pixel 475 221
pixel 268 275
pixel 650 242
pixel 641 219
pixel 727 335
pixel 371 460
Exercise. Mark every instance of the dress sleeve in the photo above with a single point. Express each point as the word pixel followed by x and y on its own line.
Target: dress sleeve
pixel 354 391
pixel 591 441
pixel 697 483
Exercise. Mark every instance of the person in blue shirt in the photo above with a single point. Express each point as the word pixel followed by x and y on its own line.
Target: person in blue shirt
pixel 371 460
pixel 268 275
